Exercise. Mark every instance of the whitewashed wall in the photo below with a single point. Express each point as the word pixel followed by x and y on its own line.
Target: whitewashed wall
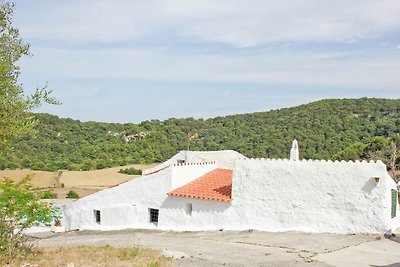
pixel 224 158
pixel 268 195
pixel 313 196
pixel 126 205
pixel 183 174
pixel 206 215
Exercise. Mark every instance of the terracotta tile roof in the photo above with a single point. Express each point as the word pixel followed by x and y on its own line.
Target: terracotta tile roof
pixel 215 185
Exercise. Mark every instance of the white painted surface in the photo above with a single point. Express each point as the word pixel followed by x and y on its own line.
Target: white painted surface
pixel 126 205
pixel 313 196
pixel 183 174
pixel 295 152
pixel 269 195
pixel 224 158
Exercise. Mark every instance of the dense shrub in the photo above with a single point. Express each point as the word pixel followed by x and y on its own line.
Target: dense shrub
pixel 20 209
pixel 72 194
pixel 131 171
pixel 49 195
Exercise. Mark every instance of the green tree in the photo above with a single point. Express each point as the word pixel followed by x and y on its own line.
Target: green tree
pixel 15 117
pixel 20 208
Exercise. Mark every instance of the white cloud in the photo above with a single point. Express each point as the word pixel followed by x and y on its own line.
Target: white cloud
pixel 236 22
pixel 301 68
pixel 170 24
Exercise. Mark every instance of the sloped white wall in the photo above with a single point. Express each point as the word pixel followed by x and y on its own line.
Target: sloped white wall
pixel 126 205
pixel 123 206
pixel 180 156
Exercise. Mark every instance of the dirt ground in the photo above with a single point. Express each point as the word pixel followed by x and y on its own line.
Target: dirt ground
pixel 94 256
pixel 82 182
pixel 245 248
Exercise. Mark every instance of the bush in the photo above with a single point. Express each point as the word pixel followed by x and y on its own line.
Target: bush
pixel 20 208
pixel 49 195
pixel 131 171
pixel 72 194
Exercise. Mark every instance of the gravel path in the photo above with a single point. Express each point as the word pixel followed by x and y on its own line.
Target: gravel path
pixel 247 248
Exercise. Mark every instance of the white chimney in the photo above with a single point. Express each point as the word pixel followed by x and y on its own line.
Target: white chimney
pixel 294 152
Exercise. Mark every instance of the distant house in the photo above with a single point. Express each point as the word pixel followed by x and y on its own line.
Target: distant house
pixel 196 191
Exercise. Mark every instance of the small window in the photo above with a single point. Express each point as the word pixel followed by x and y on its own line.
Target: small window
pixel 394 203
pixel 97 216
pixel 154 216
pixel 188 208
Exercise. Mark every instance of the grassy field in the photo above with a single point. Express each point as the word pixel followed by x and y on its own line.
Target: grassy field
pixel 82 182
pixel 93 256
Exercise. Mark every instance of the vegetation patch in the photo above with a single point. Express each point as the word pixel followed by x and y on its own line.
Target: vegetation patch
pixel 49 195
pixel 93 256
pixel 72 194
pixel 131 171
pixel 323 129
pixel 20 209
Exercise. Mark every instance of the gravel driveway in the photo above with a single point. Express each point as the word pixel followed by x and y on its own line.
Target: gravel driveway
pixel 246 248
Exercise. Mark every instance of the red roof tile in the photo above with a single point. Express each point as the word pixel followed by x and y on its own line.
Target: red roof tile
pixel 215 185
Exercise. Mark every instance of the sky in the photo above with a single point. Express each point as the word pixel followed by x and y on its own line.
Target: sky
pixel 131 60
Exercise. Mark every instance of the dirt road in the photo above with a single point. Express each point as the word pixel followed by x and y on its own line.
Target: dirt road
pixel 248 248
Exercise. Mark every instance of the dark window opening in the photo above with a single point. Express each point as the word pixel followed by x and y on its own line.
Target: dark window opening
pixel 154 216
pixel 97 216
pixel 188 208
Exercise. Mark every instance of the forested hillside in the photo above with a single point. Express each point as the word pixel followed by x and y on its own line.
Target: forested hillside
pixel 323 128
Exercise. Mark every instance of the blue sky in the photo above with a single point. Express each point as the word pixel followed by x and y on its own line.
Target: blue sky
pixel 128 61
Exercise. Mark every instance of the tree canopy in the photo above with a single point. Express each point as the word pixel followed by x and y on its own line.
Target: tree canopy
pixel 323 129
pixel 15 118
pixel 20 205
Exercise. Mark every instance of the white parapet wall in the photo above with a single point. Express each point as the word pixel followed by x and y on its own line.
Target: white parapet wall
pixel 313 196
pixel 224 158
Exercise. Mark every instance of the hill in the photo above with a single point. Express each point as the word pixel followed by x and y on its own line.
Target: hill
pixel 323 129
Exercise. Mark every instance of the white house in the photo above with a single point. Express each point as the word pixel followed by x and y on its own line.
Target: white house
pixel 196 191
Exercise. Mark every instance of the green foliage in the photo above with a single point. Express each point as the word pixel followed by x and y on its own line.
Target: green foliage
pixel 131 171
pixel 72 194
pixel 49 195
pixel 323 128
pixel 20 208
pixel 15 121
pixel 377 148
pixel 353 152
